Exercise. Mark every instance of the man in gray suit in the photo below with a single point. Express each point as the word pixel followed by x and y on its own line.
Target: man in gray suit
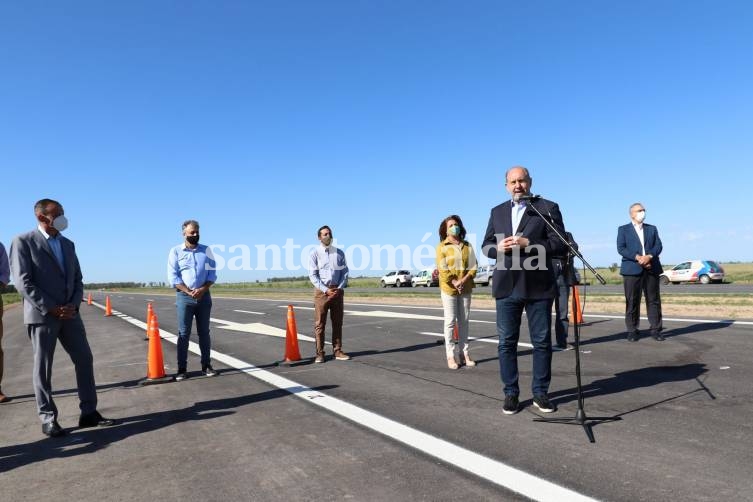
pixel 47 274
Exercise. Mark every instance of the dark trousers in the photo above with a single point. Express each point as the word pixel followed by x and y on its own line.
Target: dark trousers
pixel 72 336
pixel 509 316
pixel 561 320
pixel 336 308
pixel 647 284
pixel 188 308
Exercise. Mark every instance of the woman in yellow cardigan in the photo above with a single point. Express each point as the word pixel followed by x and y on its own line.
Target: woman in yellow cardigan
pixel 456 262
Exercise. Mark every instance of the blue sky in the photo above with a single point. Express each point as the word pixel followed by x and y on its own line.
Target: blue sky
pixel 265 120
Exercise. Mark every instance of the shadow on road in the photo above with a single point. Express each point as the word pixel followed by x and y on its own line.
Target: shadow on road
pixel 685 330
pixel 634 379
pixel 84 441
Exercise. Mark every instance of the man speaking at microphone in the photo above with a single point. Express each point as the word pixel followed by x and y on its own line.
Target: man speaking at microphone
pixel 523 245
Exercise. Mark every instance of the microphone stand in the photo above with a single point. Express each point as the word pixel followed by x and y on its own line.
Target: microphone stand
pixel 580 414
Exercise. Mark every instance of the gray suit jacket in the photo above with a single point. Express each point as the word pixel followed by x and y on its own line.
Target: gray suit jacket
pixel 39 279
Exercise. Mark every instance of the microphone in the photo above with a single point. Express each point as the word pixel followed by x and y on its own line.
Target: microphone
pixel 531 197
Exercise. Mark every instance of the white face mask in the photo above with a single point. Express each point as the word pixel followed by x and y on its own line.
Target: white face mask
pixel 60 223
pixel 640 216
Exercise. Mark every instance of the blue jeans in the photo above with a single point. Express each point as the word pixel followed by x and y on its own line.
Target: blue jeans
pixel 187 309
pixel 509 316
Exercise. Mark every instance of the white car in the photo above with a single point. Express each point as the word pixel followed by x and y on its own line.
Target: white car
pixel 703 271
pixel 484 275
pixel 426 278
pixel 396 278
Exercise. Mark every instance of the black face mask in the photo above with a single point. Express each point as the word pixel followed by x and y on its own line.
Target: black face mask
pixel 192 239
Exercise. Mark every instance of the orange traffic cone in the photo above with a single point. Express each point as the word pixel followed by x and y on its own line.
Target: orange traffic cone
pixel 292 353
pixel 577 313
pixel 149 318
pixel 108 306
pixel 89 301
pixel 155 366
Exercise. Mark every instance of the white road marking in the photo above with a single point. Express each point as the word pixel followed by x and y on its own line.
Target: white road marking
pixel 249 312
pixel 677 319
pixel 384 313
pixel 474 338
pixel 484 467
pixel 585 315
pixel 393 315
pixel 258 328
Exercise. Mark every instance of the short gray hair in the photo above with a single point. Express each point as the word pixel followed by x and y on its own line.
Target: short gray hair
pixel 525 171
pixel 633 205
pixel 190 223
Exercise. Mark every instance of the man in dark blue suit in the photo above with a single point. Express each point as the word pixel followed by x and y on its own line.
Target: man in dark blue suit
pixel 523 245
pixel 639 245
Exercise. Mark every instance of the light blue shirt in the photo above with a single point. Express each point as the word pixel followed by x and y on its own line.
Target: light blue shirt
pixel 192 267
pixel 56 247
pixel 4 266
pixel 327 268
pixel 517 212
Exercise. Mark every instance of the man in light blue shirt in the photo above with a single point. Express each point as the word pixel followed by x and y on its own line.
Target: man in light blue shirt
pixel 191 270
pixel 4 279
pixel 328 273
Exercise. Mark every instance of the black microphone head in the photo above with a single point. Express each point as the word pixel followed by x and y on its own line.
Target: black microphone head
pixel 530 197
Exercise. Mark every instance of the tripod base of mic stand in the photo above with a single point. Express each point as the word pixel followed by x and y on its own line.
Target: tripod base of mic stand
pixel 582 420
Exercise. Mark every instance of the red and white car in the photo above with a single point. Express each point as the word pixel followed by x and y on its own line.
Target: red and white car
pixel 703 271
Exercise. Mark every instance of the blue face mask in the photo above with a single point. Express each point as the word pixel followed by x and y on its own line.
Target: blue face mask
pixel 454 230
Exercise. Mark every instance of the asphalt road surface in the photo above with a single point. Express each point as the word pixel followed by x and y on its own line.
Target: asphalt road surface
pixel 394 423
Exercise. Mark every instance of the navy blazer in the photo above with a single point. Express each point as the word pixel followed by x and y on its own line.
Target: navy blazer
pixel 39 278
pixel 629 245
pixel 538 283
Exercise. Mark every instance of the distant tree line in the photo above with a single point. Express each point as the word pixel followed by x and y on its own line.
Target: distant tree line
pixel 115 285
pixel 288 279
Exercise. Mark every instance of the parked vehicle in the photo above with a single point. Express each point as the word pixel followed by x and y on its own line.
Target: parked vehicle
pixel 703 271
pixel 426 278
pixel 396 278
pixel 484 275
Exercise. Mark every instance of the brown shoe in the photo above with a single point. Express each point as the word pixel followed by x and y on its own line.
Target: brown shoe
pixel 3 398
pixel 341 356
pixel 319 358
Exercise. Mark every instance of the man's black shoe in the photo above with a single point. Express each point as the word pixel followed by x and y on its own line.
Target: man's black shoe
pixel 94 419
pixel 511 405
pixel 562 345
pixel 632 336
pixel 53 430
pixel 657 336
pixel 208 370
pixel 542 403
